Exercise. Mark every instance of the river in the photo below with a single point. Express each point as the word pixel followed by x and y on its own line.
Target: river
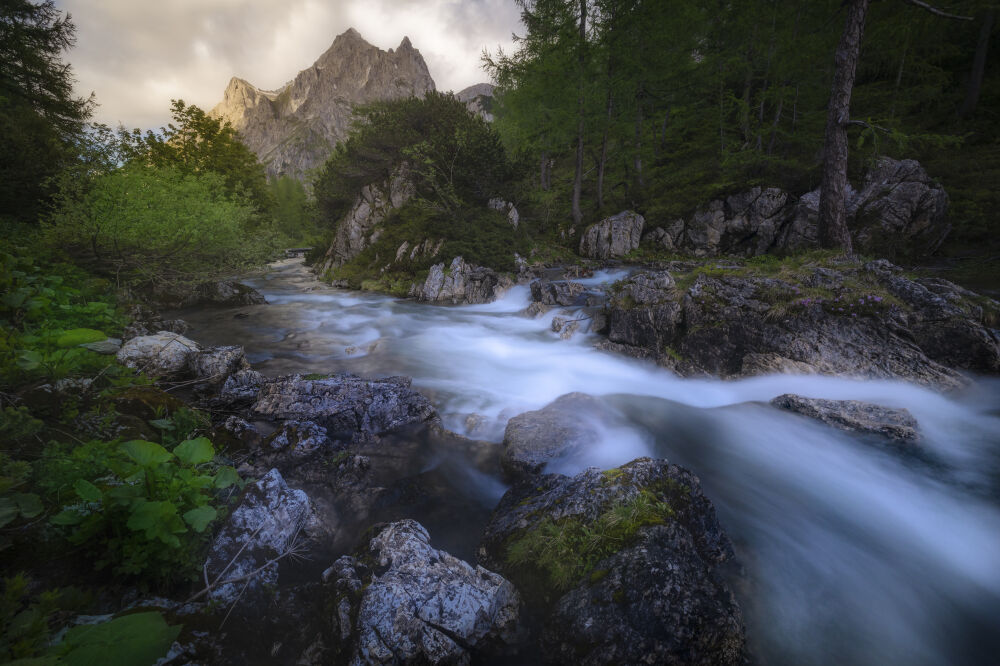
pixel 853 553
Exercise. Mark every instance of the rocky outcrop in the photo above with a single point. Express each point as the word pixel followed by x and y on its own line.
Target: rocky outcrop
pixel 361 226
pixel 899 211
pixel 400 601
pixel 866 321
pixel 533 439
pixel 161 354
pixel 508 209
pixel 294 129
pixel 612 237
pixel 270 520
pixel 896 425
pixel 145 321
pixel 346 405
pixel 462 283
pixel 220 293
pixel 653 592
pixel 478 99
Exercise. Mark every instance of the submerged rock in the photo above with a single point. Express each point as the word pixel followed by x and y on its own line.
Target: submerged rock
pixel 346 405
pixel 533 439
pixel 163 353
pixel 271 519
pixel 400 601
pixel 646 586
pixel 612 237
pixel 896 425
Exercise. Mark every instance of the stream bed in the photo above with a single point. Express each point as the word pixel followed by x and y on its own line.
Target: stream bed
pixel 853 553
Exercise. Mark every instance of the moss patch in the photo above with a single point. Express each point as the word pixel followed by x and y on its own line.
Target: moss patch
pixel 566 551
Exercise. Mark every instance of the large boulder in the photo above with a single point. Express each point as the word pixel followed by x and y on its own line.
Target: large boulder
pixel 271 520
pixel 400 601
pixel 533 439
pixel 627 566
pixel 226 293
pixel 462 283
pixel 346 405
pixel 162 354
pixel 895 425
pixel 866 321
pixel 612 237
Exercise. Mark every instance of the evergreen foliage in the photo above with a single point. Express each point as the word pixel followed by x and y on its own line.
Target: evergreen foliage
pixel 687 101
pixel 40 118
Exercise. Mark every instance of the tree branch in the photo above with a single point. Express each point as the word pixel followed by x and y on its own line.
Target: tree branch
pixel 936 11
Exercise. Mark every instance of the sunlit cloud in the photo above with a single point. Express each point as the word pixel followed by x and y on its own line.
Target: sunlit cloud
pixel 137 55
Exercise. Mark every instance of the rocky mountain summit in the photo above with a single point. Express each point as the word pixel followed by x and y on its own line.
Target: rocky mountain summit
pixel 293 129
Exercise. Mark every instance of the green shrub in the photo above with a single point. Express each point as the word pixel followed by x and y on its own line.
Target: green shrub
pixel 138 507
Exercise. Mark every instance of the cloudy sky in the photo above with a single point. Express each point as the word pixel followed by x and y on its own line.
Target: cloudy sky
pixel 137 55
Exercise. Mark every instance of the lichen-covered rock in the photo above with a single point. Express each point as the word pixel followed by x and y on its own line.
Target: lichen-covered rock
pixel 271 519
pixel 896 425
pixel 533 439
pixel 657 593
pixel 298 438
pixel 163 353
pixel 216 364
pixel 462 283
pixel 612 237
pixel 241 386
pixel 346 405
pixel 418 605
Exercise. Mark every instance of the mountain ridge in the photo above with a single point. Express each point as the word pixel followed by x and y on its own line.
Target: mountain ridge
pixel 293 129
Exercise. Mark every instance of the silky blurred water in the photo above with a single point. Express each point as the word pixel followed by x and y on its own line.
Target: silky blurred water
pixel 853 553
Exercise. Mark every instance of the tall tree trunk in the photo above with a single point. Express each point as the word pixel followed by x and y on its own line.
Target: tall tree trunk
pixel 544 171
pixel 638 140
pixel 978 66
pixel 582 61
pixel 833 232
pixel 604 150
pixel 774 125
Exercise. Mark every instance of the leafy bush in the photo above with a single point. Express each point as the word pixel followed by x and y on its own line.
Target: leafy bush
pixel 140 508
pixel 155 225
pixel 26 619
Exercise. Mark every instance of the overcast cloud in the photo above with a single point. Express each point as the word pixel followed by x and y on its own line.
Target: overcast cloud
pixel 137 55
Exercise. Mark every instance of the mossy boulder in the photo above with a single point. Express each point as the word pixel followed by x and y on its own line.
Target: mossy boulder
pixel 625 566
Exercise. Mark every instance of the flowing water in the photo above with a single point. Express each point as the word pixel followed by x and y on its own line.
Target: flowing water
pixel 853 553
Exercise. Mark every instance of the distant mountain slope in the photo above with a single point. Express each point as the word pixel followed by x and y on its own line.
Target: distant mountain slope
pixel 293 129
pixel 478 98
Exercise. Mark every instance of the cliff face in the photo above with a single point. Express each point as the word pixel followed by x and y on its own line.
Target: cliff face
pixel 478 98
pixel 293 129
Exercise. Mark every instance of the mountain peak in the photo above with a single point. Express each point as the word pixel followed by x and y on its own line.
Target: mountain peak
pixel 405 44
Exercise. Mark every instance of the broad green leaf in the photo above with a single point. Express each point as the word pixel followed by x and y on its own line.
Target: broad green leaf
pixel 87 491
pixel 8 510
pixel 158 520
pixel 226 477
pixel 200 518
pixel 29 504
pixel 79 336
pixel 195 451
pixel 67 517
pixel 163 424
pixel 29 360
pixel 139 639
pixel 146 453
